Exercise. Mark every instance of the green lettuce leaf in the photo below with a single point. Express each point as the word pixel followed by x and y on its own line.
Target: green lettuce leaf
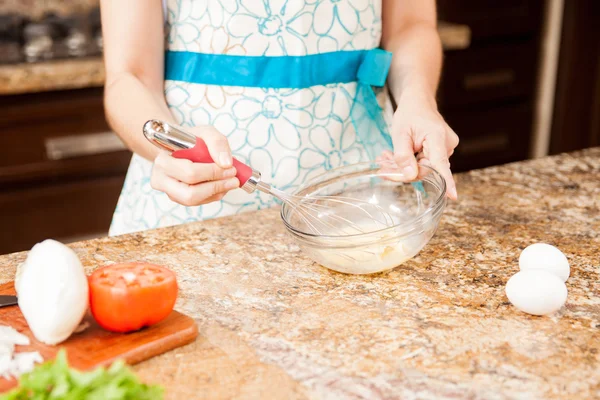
pixel 55 380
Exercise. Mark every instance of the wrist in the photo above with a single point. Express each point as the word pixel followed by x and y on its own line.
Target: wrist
pixel 415 87
pixel 418 94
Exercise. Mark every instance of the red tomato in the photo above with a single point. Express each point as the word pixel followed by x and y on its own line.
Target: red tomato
pixel 128 297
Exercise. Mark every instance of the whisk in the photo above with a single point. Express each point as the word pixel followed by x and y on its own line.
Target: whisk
pixel 321 214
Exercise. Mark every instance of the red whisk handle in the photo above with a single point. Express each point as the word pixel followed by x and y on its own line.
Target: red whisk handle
pixel 184 145
pixel 200 154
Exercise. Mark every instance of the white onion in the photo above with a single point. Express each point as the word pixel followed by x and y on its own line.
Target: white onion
pixel 15 364
pixel 53 291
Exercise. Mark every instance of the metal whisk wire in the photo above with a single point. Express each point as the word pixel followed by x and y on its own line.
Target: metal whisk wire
pixel 322 218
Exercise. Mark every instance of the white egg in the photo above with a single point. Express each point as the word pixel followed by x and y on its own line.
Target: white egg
pixel 536 291
pixel 546 257
pixel 53 291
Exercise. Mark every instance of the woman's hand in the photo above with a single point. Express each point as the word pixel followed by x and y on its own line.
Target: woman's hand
pixel 418 127
pixel 193 184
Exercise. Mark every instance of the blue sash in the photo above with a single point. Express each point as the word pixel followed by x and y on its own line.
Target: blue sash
pixel 366 67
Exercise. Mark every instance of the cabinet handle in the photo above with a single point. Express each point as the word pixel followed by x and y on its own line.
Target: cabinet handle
pixel 484 144
pixel 64 147
pixel 484 80
pixel 454 36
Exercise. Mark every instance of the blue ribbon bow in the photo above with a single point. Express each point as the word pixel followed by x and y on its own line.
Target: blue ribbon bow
pixel 366 114
pixel 366 67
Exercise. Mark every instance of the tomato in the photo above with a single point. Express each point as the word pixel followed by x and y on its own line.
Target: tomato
pixel 128 297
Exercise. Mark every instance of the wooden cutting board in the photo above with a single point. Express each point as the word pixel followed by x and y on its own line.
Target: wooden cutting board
pixel 96 347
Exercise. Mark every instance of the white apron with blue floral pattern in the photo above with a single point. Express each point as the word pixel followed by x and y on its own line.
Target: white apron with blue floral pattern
pixel 289 135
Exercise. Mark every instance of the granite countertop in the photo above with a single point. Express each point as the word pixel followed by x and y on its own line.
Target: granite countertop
pixel 51 75
pixel 275 325
pixel 36 9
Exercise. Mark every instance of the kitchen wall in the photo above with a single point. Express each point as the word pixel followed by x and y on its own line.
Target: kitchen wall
pixel 61 168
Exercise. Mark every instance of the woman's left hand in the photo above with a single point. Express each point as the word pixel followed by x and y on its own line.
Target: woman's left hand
pixel 418 127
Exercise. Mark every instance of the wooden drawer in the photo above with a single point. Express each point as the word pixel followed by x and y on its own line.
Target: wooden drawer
pixel 45 172
pixel 492 19
pixel 56 211
pixel 57 135
pixel 494 73
pixel 491 137
pixel 29 121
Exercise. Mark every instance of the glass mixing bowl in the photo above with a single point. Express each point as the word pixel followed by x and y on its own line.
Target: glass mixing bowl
pixel 413 211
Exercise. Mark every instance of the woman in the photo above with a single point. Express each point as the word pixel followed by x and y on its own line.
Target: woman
pixel 288 86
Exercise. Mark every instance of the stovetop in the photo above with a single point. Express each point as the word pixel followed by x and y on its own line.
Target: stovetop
pixel 50 37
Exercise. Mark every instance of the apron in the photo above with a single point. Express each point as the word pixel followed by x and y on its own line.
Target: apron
pixel 289 82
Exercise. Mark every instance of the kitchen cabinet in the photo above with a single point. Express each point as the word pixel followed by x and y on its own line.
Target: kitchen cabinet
pixel 490 20
pixel 488 89
pixel 61 168
pixel 490 136
pixel 482 75
pixel 76 208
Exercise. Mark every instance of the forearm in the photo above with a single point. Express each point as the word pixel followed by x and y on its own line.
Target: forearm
pixel 129 104
pixel 417 61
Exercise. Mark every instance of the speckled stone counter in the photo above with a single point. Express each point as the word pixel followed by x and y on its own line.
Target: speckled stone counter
pixel 51 75
pixel 36 9
pixel 275 325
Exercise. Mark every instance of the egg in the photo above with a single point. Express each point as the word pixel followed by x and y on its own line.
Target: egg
pixel 536 291
pixel 53 291
pixel 546 257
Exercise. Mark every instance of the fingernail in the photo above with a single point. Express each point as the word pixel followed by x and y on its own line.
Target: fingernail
pixel 225 159
pixel 232 184
pixel 408 171
pixel 453 193
pixel 229 173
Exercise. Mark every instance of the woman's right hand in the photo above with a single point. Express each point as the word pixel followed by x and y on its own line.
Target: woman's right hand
pixel 194 184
